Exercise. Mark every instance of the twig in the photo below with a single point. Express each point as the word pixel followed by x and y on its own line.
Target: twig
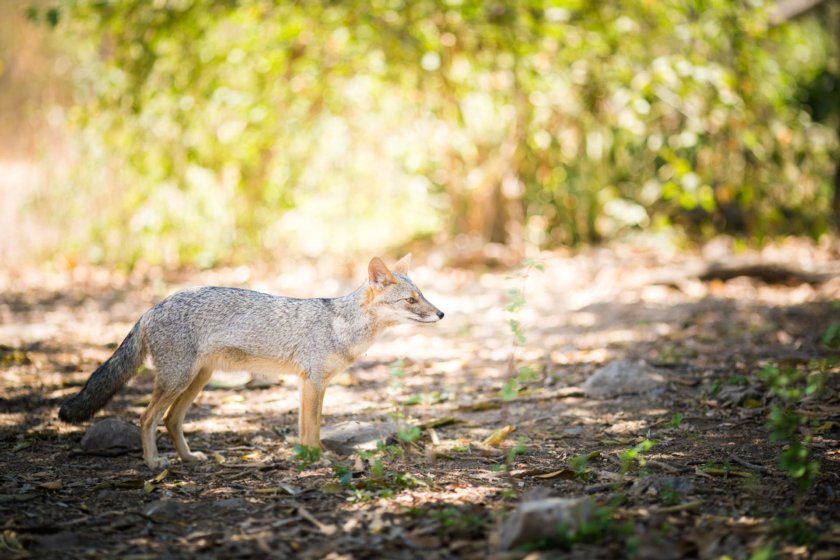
pixel 71 522
pixel 564 393
pixel 666 466
pixel 749 465
pixel 594 488
pixel 688 506
pixel 325 528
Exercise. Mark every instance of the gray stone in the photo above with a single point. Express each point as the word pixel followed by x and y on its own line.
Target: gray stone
pixel 735 395
pixel 349 437
pixel 622 377
pixel 111 436
pixel 231 503
pixel 165 511
pixel 542 519
pixel 57 542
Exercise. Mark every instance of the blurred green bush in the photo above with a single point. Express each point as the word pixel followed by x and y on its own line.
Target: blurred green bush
pixel 218 130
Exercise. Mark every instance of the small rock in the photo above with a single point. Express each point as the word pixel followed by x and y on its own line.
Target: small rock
pixel 622 377
pixel 737 395
pixel 349 437
pixel 58 542
pixel 111 437
pixel 164 511
pixel 231 503
pixel 671 485
pixel 541 519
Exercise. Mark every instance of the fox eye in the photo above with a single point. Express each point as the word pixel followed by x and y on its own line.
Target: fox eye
pixel 411 300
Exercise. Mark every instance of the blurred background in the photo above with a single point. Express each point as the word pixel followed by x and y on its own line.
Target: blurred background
pixel 197 133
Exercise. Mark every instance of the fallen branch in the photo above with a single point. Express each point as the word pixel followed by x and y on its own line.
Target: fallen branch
pixel 767 272
pixel 749 465
pixel 688 506
pixel 490 404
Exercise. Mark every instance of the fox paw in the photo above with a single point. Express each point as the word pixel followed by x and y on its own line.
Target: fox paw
pixel 194 457
pixel 157 462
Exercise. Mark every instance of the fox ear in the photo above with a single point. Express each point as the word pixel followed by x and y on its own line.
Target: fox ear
pixel 378 274
pixel 402 265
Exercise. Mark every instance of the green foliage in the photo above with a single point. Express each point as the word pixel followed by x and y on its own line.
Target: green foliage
pixel 784 422
pixel 763 553
pixel 382 481
pixel 793 529
pixel 397 373
pixel 635 455
pixel 510 390
pixel 831 336
pixel 580 465
pixel 408 434
pixel 343 473
pixel 212 130
pixel 306 456
pixel 516 301
pixel 455 520
pixel 428 398
pixel 519 449
pixel 598 528
pixel 675 421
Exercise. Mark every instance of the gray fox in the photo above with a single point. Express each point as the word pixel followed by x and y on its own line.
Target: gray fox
pixel 196 331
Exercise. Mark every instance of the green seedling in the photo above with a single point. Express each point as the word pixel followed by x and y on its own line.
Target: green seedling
pixel 635 454
pixel 515 302
pixel 676 420
pixel 306 455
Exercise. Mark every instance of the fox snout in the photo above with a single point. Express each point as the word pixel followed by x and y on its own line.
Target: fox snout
pixel 432 316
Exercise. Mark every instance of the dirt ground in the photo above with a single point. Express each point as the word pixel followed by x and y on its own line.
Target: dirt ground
pixel 710 485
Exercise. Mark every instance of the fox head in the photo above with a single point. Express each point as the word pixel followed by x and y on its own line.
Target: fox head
pixel 394 298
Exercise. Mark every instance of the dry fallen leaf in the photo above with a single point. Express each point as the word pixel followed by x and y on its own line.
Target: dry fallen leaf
pixel 496 438
pixel 565 474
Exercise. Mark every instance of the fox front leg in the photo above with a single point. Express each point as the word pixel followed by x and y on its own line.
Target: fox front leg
pixel 309 420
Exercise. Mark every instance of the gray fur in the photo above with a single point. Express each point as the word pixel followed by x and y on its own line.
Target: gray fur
pixel 196 331
pixel 106 380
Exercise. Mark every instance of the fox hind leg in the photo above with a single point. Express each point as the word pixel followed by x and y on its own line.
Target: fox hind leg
pixel 174 418
pixel 161 400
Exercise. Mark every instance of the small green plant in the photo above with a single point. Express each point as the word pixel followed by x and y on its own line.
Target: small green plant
pixel 831 336
pixel 791 528
pixel 377 469
pixel 580 465
pixel 430 398
pixel 764 553
pixel 454 519
pixel 514 452
pixel 676 420
pixel 397 374
pixel 515 302
pixel 512 386
pixel 790 385
pixel 406 480
pixel 599 527
pixel 306 455
pixel 343 473
pixel 635 454
pixel 409 434
pixel 508 494
pixel 670 494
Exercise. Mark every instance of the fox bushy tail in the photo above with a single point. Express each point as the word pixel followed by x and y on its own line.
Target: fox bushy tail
pixel 108 378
